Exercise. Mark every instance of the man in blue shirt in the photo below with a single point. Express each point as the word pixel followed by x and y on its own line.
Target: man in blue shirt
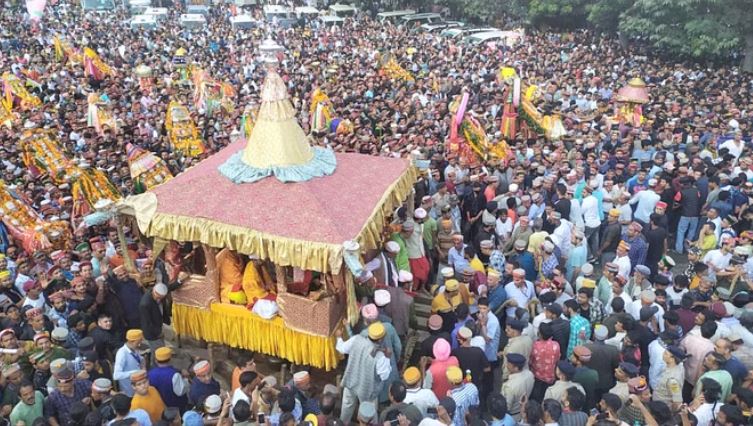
pixel 495 293
pixel 456 255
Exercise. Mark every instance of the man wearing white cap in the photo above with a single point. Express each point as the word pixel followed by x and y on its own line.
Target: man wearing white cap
pixel 397 305
pixel 384 268
pixel 412 232
pixel 152 316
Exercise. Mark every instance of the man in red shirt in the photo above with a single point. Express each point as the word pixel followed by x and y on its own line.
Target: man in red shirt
pixel 543 362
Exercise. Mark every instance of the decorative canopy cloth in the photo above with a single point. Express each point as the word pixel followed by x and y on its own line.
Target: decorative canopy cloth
pixel 299 224
pixel 635 92
pixel 278 146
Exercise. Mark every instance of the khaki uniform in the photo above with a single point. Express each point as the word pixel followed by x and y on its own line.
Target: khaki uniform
pixel 669 388
pixel 621 390
pixel 559 389
pixel 522 345
pixel 515 388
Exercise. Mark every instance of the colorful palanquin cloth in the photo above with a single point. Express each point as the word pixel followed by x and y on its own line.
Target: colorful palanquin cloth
pixel 42 154
pixel 394 71
pixel 27 226
pixel 94 66
pixel 15 94
pixel 89 187
pixel 183 134
pixel 147 170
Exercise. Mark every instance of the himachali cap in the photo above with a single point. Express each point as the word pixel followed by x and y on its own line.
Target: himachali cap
pixel 587 283
pixel 465 333
pixel 612 267
pixel 301 378
pixel 392 247
pixel 520 244
pixel 420 213
pixel 411 376
pixel 102 385
pixel 382 297
pixel 451 285
pixel 435 322
pixel 213 404
pixel 4 274
pixel 163 354
pixel 643 269
pixel 57 365
pixel 369 312
pixel 201 367
pixel 376 331
pixel 454 374
pixel 41 336
pixel 134 334
pixel 486 244
pixel 447 272
pixel 614 212
pixel 38 356
pixel 637 385
pixel 624 246
pixel 601 332
pixel 635 226
pixel 60 334
pixel 661 205
pixel 492 273
pixel 405 277
pixel 408 225
pixel 138 376
pixel 583 353
pixel 11 369
pixel 587 269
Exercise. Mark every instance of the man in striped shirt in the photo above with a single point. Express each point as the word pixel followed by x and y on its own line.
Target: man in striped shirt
pixel 464 394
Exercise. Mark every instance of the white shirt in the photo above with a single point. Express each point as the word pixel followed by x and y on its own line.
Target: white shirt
pixel 657 364
pixel 126 363
pixel 421 399
pixel 717 260
pixel 562 235
pixel 624 266
pixel 634 309
pixel 707 412
pixel 522 296
pixel 590 210
pixel 383 367
pixel 733 148
pixel 624 296
pixel 238 395
pixel 646 203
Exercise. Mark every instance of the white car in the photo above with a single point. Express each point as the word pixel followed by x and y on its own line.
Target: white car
pixel 394 16
pixel 507 38
pixel 243 22
pixel 193 21
pixel 343 10
pixel 453 33
pixel 148 22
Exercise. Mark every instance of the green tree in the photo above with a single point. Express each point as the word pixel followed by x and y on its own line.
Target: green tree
pixel 604 15
pixel 694 28
pixel 561 14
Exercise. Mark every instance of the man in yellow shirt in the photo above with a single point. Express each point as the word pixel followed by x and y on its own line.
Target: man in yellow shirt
pixel 146 397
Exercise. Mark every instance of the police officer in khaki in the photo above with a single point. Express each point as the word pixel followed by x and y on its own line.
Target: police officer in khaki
pixel 669 388
pixel 519 384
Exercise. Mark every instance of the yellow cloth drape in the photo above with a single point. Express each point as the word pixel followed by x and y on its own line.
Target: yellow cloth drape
pixel 230 270
pixel 309 255
pixel 253 283
pixel 236 326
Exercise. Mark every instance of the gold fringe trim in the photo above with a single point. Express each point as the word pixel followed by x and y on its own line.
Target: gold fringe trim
pixel 283 251
pixel 236 326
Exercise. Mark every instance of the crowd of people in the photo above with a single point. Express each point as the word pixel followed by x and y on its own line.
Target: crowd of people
pixel 603 278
